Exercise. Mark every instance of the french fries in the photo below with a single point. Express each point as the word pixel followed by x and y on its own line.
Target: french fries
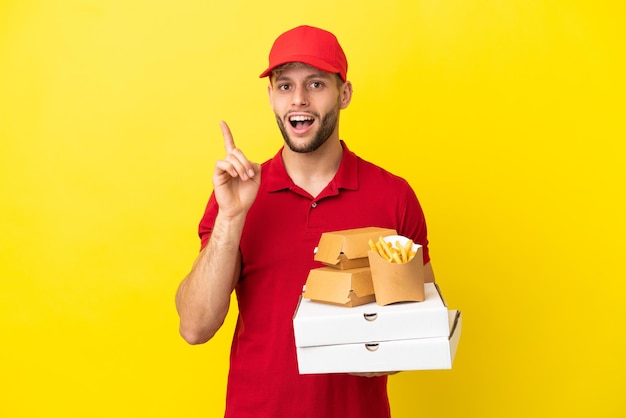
pixel 397 253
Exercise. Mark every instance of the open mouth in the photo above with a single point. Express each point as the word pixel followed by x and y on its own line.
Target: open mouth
pixel 301 121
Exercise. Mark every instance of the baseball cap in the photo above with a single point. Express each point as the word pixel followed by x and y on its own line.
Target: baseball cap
pixel 310 45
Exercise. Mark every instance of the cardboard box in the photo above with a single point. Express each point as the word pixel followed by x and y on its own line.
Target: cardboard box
pixel 381 356
pixel 348 248
pixel 317 324
pixel 398 282
pixel 346 288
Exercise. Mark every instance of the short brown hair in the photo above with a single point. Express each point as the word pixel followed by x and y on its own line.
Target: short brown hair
pixel 290 65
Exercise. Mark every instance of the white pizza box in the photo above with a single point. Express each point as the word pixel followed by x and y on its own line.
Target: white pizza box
pixel 317 324
pixel 384 356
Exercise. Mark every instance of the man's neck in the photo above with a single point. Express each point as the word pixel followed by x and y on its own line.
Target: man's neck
pixel 313 171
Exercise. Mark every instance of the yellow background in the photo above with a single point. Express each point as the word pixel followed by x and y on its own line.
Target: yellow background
pixel 507 117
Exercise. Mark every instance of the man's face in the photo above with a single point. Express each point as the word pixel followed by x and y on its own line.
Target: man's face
pixel 307 102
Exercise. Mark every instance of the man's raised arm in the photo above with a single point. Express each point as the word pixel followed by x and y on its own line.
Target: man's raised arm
pixel 203 297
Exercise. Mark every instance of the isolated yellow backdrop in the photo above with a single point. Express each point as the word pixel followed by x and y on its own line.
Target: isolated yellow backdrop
pixel 507 117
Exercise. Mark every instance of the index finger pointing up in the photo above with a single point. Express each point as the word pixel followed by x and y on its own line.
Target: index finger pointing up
pixel 229 143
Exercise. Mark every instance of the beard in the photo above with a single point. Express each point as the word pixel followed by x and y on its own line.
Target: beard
pixel 327 127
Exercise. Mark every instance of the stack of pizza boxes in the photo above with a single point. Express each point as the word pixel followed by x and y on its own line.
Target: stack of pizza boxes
pixel 361 313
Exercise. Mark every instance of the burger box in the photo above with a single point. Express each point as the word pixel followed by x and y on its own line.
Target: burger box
pixel 347 288
pixel 348 248
pixel 384 356
pixel 321 324
pixel 398 282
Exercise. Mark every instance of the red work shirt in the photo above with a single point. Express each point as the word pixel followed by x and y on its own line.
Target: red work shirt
pixel 282 229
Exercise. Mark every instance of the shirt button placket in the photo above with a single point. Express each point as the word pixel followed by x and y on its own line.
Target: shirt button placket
pixel 312 217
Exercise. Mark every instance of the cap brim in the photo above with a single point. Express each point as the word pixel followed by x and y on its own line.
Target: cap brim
pixel 306 59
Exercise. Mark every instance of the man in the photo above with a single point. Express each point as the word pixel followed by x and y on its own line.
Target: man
pixel 261 226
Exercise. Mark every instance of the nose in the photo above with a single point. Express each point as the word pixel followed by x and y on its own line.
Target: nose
pixel 300 97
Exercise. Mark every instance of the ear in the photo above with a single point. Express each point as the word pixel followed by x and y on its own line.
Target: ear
pixel 269 95
pixel 346 94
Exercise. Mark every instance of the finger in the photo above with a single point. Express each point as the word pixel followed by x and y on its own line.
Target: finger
pixel 374 374
pixel 237 165
pixel 240 166
pixel 237 156
pixel 225 167
pixel 229 142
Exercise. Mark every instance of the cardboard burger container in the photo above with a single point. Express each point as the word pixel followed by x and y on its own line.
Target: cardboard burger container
pixel 348 248
pixel 346 288
pixel 397 282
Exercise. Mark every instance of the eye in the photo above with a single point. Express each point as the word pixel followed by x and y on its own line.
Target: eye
pixel 283 87
pixel 316 84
